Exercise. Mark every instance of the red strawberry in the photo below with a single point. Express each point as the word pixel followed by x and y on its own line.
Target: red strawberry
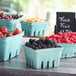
pixel 17 31
pixel 54 40
pixel 1 29
pixel 46 37
pixel 58 41
pixel 9 34
pixel 4 31
pixel 0 33
pixel 56 36
pixel 71 39
pixel 60 33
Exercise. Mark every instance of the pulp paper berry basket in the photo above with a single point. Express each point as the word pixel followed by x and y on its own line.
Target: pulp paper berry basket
pixel 11 24
pixel 43 58
pixel 34 28
pixel 10 47
pixel 69 50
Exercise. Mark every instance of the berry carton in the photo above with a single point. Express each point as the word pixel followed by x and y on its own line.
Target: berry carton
pixel 10 23
pixel 67 41
pixel 10 46
pixel 34 28
pixel 42 58
pixel 69 50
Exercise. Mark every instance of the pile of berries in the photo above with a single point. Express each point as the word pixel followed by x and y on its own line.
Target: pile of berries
pixel 69 37
pixel 4 32
pixel 41 44
pixel 9 17
pixel 33 20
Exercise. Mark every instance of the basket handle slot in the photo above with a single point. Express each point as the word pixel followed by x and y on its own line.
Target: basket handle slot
pixel 34 33
pixel 53 63
pixel 25 31
pixel 31 63
pixel 42 64
pixel 16 52
pixel 74 53
pixel 65 56
pixel 38 33
pixel 43 32
pixel 27 62
pixel 47 64
pixel 9 55
pixel 28 33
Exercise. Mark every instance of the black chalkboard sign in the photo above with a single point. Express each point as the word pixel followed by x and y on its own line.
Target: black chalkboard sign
pixel 65 22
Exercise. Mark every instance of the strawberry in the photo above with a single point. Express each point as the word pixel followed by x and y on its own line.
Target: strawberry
pixel 17 31
pixel 71 39
pixel 0 33
pixel 58 41
pixel 60 34
pixel 54 40
pixel 56 36
pixel 46 37
pixel 9 34
pixel 3 30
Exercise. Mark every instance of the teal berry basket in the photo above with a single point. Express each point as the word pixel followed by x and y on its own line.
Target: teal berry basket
pixel 11 24
pixel 69 50
pixel 43 58
pixel 10 47
pixel 34 28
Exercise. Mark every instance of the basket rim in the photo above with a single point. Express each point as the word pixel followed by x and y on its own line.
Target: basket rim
pixel 34 22
pixel 43 49
pixel 21 17
pixel 21 34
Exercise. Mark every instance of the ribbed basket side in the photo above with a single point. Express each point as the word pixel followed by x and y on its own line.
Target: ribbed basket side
pixel 69 50
pixel 11 24
pixel 10 47
pixel 34 28
pixel 44 58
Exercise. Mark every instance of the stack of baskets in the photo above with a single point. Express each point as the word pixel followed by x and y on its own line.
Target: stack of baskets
pixel 10 46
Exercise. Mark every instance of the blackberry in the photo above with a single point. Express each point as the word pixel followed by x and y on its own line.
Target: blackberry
pixel 36 48
pixel 49 45
pixel 33 46
pixel 42 40
pixel 41 44
pixel 32 40
pixel 53 46
pixel 48 41
pixel 27 44
pixel 44 46
pixel 35 43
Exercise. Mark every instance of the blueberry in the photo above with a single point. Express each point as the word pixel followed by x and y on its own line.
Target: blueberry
pixel 49 46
